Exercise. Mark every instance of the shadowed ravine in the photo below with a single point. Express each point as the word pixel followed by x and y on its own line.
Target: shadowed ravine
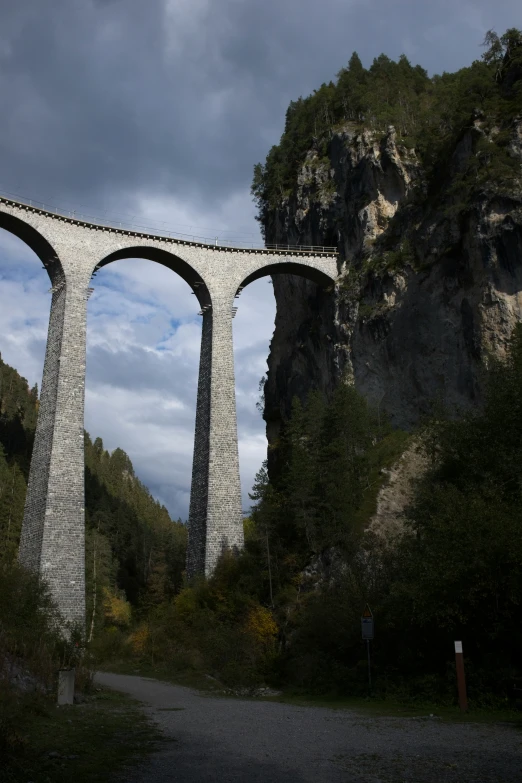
pixel 228 740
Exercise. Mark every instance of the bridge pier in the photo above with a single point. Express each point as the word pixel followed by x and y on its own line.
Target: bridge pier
pixel 197 534
pixel 52 541
pixel 215 517
pixel 224 508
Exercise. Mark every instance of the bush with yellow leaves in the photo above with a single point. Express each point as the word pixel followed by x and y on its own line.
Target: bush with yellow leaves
pixel 116 609
pixel 138 640
pixel 261 627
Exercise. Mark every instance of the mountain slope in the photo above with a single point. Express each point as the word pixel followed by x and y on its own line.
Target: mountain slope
pixel 134 551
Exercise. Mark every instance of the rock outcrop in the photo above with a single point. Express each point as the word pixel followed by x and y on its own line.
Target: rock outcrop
pixel 430 279
pixel 387 523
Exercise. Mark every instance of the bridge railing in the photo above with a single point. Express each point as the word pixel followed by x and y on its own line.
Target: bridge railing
pixel 157 230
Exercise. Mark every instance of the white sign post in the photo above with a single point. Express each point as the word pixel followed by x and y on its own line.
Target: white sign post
pixel 66 686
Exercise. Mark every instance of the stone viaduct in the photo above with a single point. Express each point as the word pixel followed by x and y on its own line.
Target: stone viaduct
pixel 72 250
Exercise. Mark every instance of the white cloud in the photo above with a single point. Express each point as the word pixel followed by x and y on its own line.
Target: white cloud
pixel 184 27
pixel 231 218
pixel 143 343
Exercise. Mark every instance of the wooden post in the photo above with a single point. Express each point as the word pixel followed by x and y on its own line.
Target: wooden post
pixel 369 668
pixel 461 677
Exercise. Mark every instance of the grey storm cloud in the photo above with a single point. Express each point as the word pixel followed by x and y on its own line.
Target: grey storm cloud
pixel 105 99
pixel 139 369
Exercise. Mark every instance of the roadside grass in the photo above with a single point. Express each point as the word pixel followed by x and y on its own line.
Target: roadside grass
pixel 188 678
pixel 368 706
pixel 84 743
pixel 392 708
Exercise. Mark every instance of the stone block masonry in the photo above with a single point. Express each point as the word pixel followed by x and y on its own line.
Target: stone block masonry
pixel 224 525
pixel 53 533
pixel 197 537
pixel 35 503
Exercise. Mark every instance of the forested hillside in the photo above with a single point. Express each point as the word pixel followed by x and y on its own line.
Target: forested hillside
pixel 428 113
pixel 135 553
pixel 288 609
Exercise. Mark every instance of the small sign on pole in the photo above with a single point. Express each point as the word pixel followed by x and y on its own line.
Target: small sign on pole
pixel 367 623
pixel 367 635
pixel 367 627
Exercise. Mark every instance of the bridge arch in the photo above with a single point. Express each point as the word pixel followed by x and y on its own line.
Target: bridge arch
pixel 308 271
pixel 34 240
pixel 167 259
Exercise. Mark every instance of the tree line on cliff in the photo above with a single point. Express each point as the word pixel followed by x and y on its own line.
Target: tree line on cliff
pixel 428 113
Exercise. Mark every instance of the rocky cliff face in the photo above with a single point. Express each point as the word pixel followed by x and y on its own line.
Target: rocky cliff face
pixel 430 279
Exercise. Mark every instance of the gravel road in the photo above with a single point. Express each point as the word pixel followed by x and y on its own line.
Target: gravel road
pixel 215 740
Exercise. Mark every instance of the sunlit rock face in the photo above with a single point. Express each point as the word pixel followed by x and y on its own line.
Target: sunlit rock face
pixel 430 286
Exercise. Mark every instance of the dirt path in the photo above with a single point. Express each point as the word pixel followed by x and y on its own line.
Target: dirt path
pixel 209 739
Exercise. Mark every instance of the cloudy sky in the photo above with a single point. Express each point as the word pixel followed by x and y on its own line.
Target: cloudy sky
pixel 156 112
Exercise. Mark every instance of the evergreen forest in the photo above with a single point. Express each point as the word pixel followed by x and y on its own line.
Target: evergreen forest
pixel 429 115
pixel 287 610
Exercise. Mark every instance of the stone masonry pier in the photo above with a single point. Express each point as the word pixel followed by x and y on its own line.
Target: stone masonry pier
pixel 72 251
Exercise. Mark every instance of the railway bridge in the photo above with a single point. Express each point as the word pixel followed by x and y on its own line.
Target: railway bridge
pixel 72 250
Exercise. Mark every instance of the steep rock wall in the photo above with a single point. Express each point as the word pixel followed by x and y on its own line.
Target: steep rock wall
pixel 430 277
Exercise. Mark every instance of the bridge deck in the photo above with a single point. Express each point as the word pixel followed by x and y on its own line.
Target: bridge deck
pixel 81 220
